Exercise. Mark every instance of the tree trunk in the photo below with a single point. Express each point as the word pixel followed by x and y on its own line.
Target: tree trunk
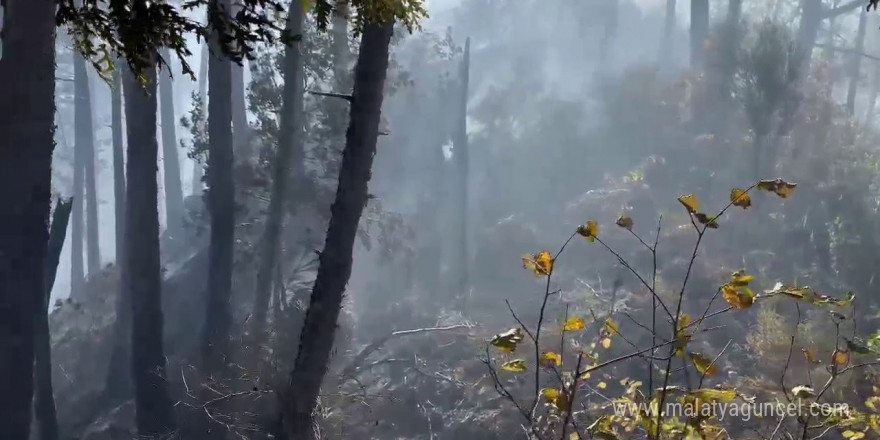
pixel 462 163
pixel 668 29
pixel 93 247
pixel 221 205
pixel 44 402
pixel 118 161
pixel 27 72
pixel 77 265
pixel 875 90
pixel 171 161
pixel 699 32
pixel 855 64
pixel 154 416
pixel 341 51
pixel 289 154
pixel 198 167
pixel 119 386
pixel 334 269
pixel 84 139
pixel 811 21
pixel 241 129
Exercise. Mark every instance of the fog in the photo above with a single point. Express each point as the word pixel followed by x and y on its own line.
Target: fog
pixel 592 203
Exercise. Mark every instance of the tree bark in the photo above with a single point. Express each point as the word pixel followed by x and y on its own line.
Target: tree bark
pixel 855 64
pixel 44 402
pixel 154 416
pixel 93 247
pixel 118 161
pixel 221 205
pixel 241 129
pixel 77 264
pixel 27 72
pixel 174 211
pixel 875 90
pixel 462 163
pixel 808 31
pixel 289 156
pixel 118 386
pixel 198 168
pixel 335 262
pixel 699 32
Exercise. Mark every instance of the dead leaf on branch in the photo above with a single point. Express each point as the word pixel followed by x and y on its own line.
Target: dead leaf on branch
pixel 514 366
pixel 541 263
pixel 741 198
pixel 690 203
pixel 589 230
pixel 508 340
pixel 780 187
pixel 625 221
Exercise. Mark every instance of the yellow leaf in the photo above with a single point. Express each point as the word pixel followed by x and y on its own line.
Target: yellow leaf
pixel 574 325
pixel 606 343
pixel 516 366
pixel 550 359
pixel 741 278
pixel 690 203
pixel 858 436
pixel 704 365
pixel 610 327
pixel 625 222
pixel 780 187
pixel 723 395
pixel 541 263
pixel 508 340
pixel 589 231
pixel 812 356
pixel 840 358
pixel 740 198
pixel 741 298
pixel 306 5
pixel 556 398
pixel 601 385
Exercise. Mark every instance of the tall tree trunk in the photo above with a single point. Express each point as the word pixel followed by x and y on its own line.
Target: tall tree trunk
pixel 154 416
pixel 341 51
pixel 699 32
pixel 334 269
pixel 289 155
pixel 93 248
pixel 198 167
pixel 462 163
pixel 119 386
pixel 77 264
pixel 668 29
pixel 241 129
pixel 221 204
pixel 855 64
pixel 171 160
pixel 875 90
pixel 118 161
pixel 27 72
pixel 808 30
pixel 44 401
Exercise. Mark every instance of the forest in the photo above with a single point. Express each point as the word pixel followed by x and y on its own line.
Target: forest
pixel 439 219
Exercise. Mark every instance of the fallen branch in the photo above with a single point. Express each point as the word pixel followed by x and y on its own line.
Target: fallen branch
pixel 348 98
pixel 355 364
